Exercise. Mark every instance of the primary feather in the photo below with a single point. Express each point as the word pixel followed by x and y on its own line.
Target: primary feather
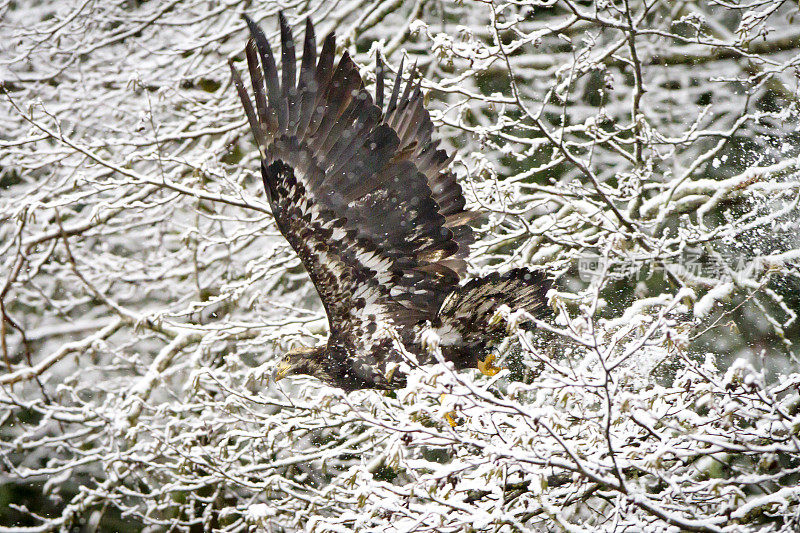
pixel 364 196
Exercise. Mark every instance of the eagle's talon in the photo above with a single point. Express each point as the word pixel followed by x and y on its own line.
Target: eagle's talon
pixel 487 367
pixel 450 420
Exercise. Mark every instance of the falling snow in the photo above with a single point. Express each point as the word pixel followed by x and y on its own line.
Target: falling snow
pixel 649 162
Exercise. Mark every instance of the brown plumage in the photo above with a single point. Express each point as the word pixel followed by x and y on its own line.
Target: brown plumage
pixel 364 196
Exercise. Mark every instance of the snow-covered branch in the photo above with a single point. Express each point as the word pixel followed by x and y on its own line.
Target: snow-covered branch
pixel 645 154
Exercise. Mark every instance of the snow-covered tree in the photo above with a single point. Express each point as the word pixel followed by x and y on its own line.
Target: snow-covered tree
pixel 646 153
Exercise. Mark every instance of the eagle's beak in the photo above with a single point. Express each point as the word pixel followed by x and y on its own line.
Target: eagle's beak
pixel 282 370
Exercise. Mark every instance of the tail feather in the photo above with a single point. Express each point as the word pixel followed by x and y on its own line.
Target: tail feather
pixel 471 307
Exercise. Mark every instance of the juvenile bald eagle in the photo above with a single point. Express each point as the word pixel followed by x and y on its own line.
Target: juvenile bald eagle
pixel 364 196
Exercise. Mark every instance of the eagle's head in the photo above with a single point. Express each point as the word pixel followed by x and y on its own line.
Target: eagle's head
pixel 333 365
pixel 302 360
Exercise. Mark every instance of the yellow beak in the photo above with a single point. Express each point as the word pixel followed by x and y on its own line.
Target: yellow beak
pixel 281 371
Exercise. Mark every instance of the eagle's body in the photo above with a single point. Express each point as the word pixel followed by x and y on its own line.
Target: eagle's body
pixel 364 197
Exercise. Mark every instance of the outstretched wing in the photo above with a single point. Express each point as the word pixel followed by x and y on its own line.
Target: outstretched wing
pixel 360 194
pixel 407 115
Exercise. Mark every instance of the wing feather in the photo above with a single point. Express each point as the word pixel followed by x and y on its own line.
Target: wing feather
pixel 379 74
pixel 360 193
pixel 255 125
pixel 406 113
pixel 307 85
pixel 270 72
pixel 288 73
pixel 336 98
pixel 396 88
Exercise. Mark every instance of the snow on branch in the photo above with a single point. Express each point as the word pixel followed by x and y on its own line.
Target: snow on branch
pixel 646 155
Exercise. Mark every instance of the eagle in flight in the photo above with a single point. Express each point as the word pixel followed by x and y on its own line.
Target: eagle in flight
pixel 365 197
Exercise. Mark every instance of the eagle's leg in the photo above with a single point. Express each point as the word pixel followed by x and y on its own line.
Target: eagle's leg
pixel 487 367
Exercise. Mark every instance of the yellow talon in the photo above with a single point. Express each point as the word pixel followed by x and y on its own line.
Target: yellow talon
pixel 487 368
